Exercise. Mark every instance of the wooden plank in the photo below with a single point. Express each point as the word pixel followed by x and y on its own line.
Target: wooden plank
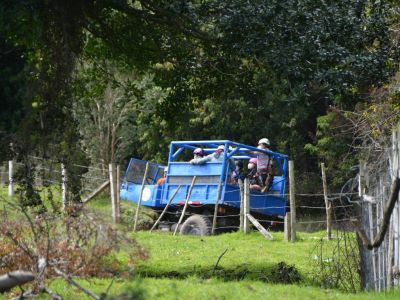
pixel 186 203
pixel 140 198
pixel 165 208
pixel 260 228
pixel 96 192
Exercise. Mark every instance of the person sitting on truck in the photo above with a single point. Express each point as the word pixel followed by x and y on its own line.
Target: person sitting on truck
pixel 161 180
pixel 265 164
pixel 213 157
pixel 238 173
pixel 254 178
pixel 197 154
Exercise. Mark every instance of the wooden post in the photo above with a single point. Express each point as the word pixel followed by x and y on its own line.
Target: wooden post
pixel 118 200
pixel 395 172
pixel 389 272
pixel 328 205
pixel 165 208
pixel 186 203
pixel 287 227
pixel 113 191
pixel 241 204
pixel 140 199
pixel 371 236
pixel 10 178
pixel 292 191
pixel 214 223
pixel 246 206
pixel 64 187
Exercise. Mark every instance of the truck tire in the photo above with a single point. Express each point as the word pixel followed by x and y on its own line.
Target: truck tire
pixel 196 225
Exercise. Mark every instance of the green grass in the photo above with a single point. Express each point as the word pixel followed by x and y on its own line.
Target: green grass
pixel 182 267
pixel 247 257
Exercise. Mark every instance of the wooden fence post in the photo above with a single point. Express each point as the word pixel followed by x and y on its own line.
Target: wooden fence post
pixel 10 178
pixel 214 223
pixel 118 200
pixel 287 227
pixel 186 203
pixel 395 172
pixel 141 194
pixel 292 191
pixel 64 187
pixel 328 205
pixel 241 204
pixel 113 192
pixel 246 206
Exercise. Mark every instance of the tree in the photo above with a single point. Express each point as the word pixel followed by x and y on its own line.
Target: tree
pixel 107 109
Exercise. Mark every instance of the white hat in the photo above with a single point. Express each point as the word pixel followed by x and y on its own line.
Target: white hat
pixel 264 141
pixel 221 147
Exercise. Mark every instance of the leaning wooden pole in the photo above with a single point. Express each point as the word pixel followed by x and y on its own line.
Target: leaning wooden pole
pixel 328 205
pixel 214 223
pixel 165 208
pixel 186 203
pixel 140 198
pixel 292 191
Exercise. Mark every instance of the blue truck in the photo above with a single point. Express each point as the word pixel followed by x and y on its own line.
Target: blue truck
pixel 213 185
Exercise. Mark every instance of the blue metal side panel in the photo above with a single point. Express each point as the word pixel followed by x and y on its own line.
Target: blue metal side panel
pixel 231 196
pixel 203 193
pixel 187 169
pixel 265 204
pixel 151 194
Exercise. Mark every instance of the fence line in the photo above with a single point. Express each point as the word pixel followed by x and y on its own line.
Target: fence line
pixel 91 181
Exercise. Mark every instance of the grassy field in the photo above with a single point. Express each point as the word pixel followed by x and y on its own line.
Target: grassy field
pixel 183 267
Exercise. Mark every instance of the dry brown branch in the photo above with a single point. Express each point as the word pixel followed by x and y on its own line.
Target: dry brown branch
pixel 219 258
pixel 69 279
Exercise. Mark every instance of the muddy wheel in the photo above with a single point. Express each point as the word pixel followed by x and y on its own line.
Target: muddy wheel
pixel 196 225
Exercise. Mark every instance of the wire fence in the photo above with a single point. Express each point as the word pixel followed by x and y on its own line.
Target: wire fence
pixel 311 217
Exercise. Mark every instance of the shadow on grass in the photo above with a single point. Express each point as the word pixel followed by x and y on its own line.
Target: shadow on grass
pixel 272 273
